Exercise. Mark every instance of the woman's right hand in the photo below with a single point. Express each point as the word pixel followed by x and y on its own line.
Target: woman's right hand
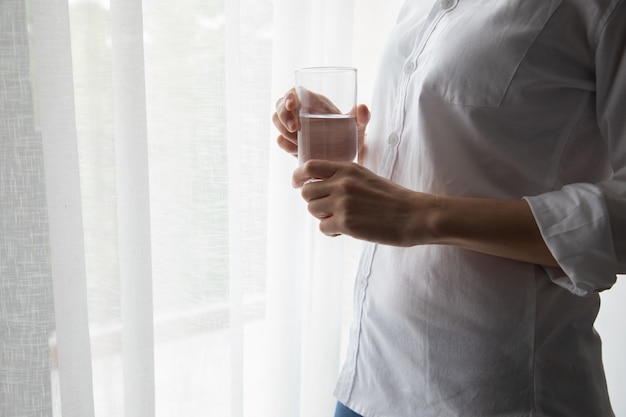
pixel 286 120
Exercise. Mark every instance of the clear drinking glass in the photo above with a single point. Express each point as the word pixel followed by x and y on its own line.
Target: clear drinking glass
pixel 328 128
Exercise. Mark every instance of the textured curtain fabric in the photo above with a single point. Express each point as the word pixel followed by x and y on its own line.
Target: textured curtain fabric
pixel 26 296
pixel 154 259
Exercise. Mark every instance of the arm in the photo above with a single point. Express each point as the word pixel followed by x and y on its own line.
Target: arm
pixel 504 228
pixel 354 201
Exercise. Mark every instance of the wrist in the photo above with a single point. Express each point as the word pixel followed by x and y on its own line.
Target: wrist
pixel 437 220
pixel 426 219
pixel 462 221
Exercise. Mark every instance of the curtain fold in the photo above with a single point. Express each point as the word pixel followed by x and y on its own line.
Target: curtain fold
pixel 26 295
pixel 233 98
pixel 133 202
pixel 52 65
pixel 305 294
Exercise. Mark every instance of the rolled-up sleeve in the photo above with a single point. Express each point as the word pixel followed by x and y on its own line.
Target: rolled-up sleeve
pixel 584 225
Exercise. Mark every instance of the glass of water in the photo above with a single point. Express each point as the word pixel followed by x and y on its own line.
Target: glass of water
pixel 328 129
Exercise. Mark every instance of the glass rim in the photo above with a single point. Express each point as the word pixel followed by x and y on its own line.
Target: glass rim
pixel 326 69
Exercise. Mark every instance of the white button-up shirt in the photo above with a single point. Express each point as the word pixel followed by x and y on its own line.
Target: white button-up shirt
pixel 496 99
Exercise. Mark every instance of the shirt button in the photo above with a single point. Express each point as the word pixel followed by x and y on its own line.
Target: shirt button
pixel 447 4
pixel 393 139
pixel 409 67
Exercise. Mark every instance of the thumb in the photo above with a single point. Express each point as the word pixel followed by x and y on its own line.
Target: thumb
pixel 362 115
pixel 362 119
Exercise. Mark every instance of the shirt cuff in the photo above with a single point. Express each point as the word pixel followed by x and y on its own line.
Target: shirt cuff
pixel 575 225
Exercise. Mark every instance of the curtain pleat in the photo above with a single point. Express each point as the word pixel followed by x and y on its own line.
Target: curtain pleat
pixel 26 298
pixel 133 201
pixel 287 234
pixel 55 100
pixel 306 293
pixel 236 177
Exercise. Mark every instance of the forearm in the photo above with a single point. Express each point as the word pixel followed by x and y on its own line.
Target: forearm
pixel 503 228
pixel 354 201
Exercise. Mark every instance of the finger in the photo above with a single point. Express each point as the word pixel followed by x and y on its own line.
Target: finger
pixel 319 208
pixel 287 145
pixel 282 129
pixel 328 226
pixel 321 104
pixel 291 100
pixel 314 169
pixel 315 190
pixel 287 109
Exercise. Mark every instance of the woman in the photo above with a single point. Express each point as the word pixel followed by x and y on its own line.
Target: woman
pixel 493 197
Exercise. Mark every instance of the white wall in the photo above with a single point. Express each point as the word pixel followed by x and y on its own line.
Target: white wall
pixel 612 329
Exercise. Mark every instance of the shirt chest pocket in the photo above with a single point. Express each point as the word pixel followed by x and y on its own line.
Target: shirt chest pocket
pixel 474 51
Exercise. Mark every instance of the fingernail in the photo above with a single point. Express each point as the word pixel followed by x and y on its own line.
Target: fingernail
pixel 291 125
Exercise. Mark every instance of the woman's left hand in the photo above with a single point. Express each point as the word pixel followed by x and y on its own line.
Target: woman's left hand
pixel 350 199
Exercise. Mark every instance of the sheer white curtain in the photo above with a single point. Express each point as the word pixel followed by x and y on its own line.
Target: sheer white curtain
pixel 154 259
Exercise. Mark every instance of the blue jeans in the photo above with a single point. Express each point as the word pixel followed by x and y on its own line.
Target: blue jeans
pixel 343 411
